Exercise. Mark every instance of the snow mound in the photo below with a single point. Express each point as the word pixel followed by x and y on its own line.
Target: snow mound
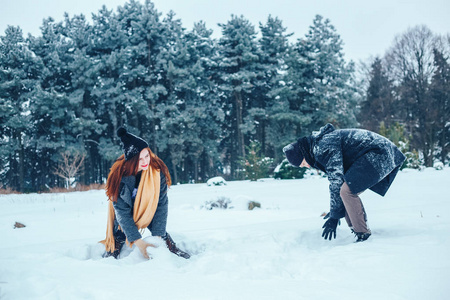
pixel 217 181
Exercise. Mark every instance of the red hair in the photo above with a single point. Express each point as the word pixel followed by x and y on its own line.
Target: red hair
pixel 122 168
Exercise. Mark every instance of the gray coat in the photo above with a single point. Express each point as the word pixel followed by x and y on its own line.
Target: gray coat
pixel 361 158
pixel 123 208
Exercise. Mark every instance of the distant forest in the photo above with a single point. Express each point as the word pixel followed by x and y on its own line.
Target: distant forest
pixel 204 104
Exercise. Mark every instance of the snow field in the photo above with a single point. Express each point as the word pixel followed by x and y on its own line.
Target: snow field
pixel 274 252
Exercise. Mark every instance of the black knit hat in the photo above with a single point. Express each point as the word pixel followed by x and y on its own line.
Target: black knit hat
pixel 131 144
pixel 293 154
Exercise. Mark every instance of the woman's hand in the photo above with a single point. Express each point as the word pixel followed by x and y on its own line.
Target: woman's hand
pixel 142 245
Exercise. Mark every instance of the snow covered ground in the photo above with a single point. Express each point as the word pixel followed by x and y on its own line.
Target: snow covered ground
pixel 275 252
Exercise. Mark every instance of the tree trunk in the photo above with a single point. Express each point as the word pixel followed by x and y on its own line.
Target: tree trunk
pixel 21 163
pixel 444 151
pixel 195 169
pixel 175 175
pixel 239 151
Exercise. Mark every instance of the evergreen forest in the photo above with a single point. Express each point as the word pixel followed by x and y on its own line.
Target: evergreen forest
pixel 204 104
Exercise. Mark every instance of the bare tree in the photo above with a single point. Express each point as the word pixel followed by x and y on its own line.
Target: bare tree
pixel 69 166
pixel 411 65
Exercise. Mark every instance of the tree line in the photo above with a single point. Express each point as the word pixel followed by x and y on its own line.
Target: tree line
pixel 200 101
pixel 408 96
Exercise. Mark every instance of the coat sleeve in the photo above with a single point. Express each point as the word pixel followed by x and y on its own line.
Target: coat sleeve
pixel 159 221
pixel 124 214
pixel 329 154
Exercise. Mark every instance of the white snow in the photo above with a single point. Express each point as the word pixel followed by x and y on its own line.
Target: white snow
pixel 275 252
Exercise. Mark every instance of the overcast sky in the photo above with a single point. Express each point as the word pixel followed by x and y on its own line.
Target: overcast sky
pixel 366 27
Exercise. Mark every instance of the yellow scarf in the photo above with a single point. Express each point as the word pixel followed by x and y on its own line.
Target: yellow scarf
pixel 145 205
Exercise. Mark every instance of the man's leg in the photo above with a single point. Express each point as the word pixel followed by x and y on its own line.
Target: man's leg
pixel 355 210
pixel 347 219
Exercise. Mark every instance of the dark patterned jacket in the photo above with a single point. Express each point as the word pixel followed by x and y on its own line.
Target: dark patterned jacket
pixel 361 158
pixel 123 208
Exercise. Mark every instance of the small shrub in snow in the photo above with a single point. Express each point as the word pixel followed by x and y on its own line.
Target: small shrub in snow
pixel 286 171
pixel 221 203
pixel 216 181
pixel 412 161
pixel 255 164
pixel 311 173
pixel 439 166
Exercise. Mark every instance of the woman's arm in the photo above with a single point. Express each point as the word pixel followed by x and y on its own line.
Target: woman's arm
pixel 124 214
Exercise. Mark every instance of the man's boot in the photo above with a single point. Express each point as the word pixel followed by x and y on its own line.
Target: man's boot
pixel 362 236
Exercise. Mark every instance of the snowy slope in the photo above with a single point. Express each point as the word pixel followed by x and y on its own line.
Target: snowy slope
pixel 275 252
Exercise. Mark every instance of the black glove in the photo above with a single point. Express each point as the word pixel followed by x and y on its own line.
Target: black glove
pixel 330 228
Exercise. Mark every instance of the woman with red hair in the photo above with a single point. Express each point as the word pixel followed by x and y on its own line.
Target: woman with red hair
pixel 137 189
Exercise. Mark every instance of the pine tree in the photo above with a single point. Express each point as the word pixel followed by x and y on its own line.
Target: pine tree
pixel 203 105
pixel 325 90
pixel 64 108
pixel 143 75
pixel 239 75
pixel 379 105
pixel 107 49
pixel 268 116
pixel 171 112
pixel 440 94
pixel 84 105
pixel 287 120
pixel 19 73
pixel 50 106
